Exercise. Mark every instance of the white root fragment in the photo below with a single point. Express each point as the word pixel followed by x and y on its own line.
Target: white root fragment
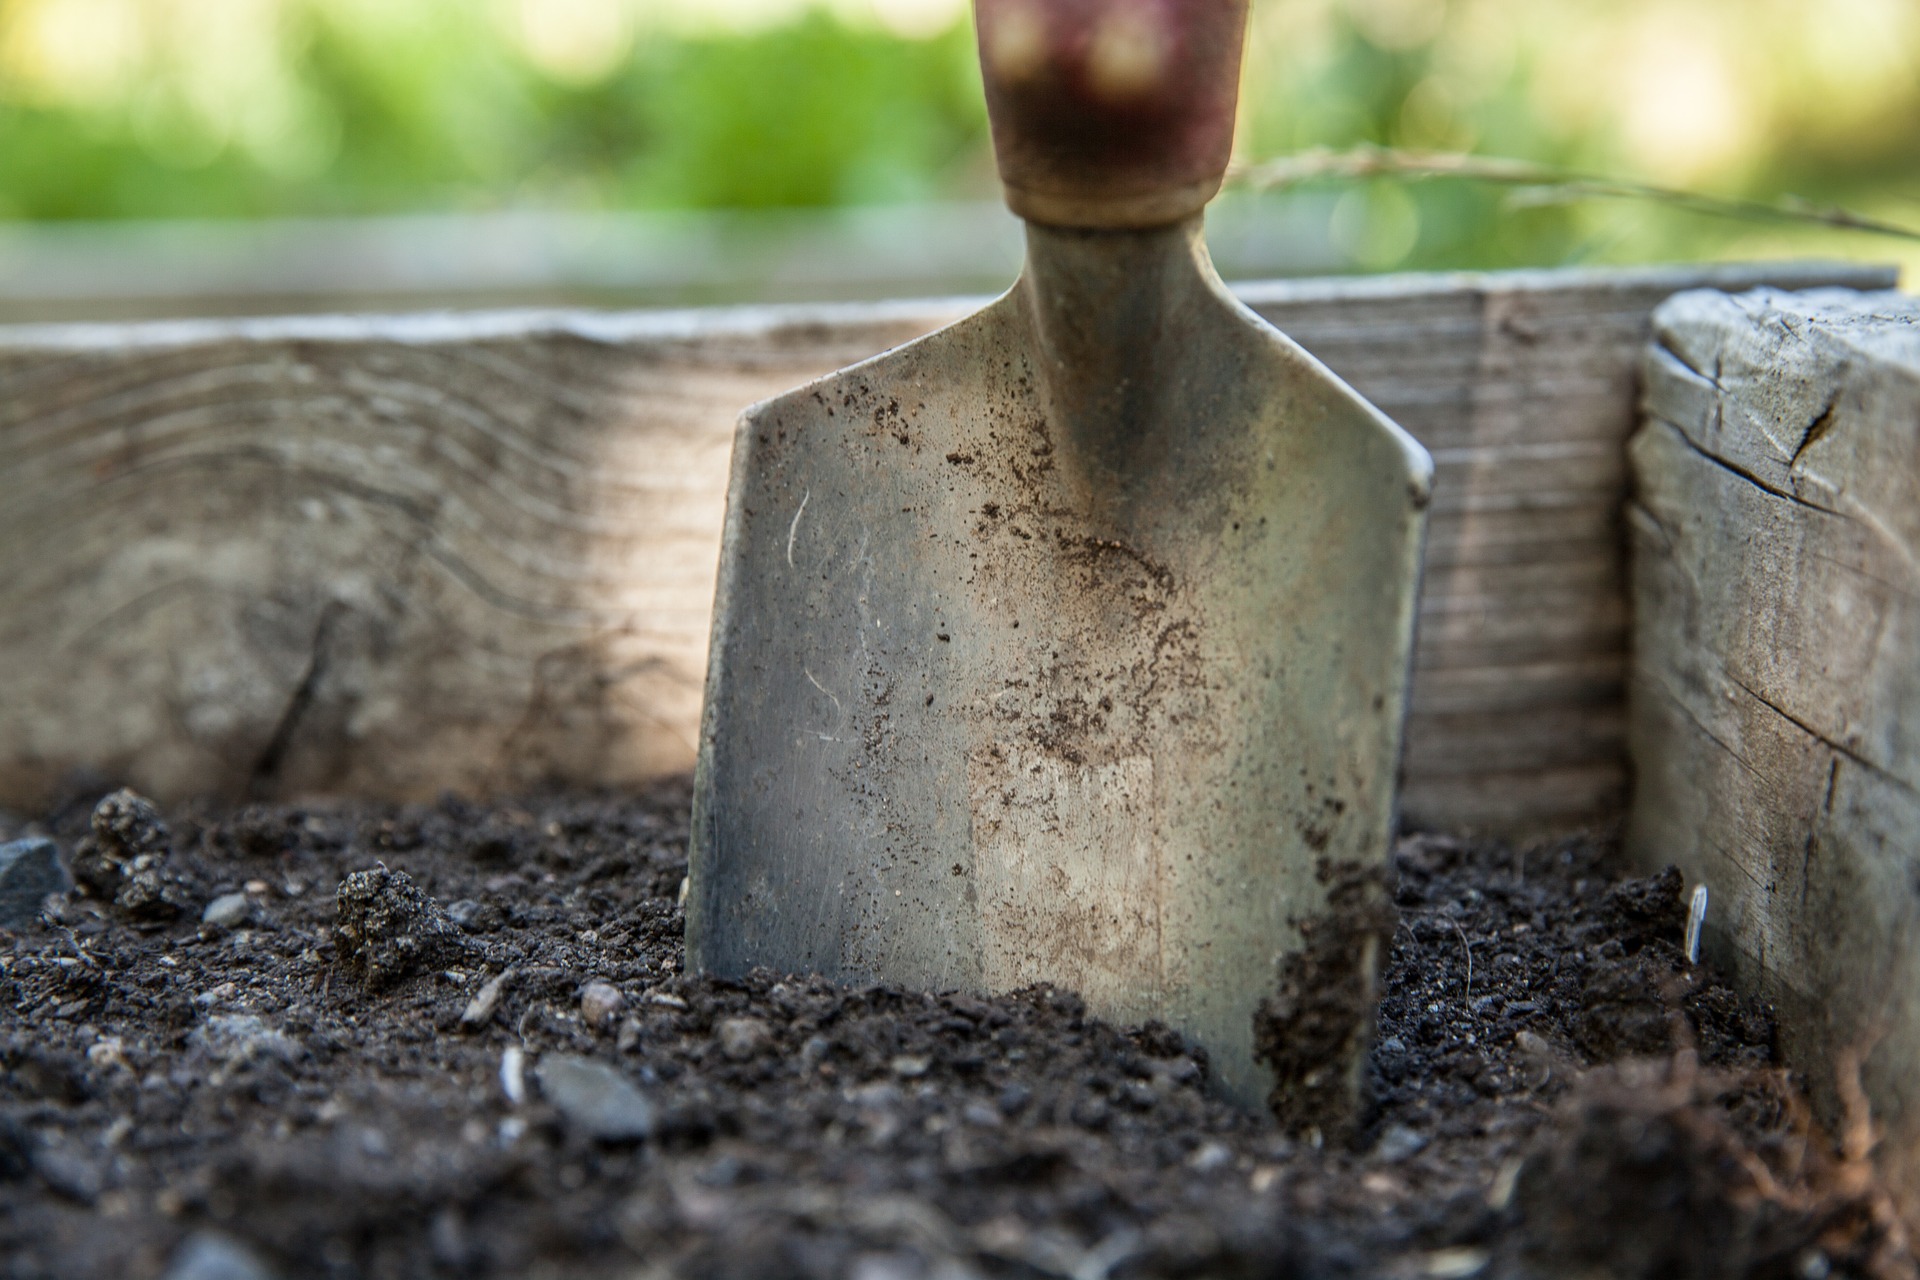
pixel 1696 917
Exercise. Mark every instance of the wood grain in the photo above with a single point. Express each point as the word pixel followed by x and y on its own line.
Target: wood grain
pixel 393 556
pixel 1775 685
pixel 378 556
pixel 1523 387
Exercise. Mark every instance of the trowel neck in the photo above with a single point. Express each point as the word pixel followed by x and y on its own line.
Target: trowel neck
pixel 1106 310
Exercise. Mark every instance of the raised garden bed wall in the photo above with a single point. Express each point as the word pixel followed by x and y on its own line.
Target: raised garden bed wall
pixel 1776 673
pixel 392 556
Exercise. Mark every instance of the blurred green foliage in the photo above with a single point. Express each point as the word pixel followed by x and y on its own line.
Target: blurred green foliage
pixel 218 108
pixel 435 112
pixel 829 116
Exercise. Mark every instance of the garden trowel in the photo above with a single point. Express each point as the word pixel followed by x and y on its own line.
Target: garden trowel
pixel 1070 643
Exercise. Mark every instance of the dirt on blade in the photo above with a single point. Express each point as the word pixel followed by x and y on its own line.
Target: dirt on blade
pixel 1313 1031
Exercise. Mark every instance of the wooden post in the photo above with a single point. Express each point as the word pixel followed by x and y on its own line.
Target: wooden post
pixel 1775 689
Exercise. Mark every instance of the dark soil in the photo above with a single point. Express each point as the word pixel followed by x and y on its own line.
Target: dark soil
pixel 388 1055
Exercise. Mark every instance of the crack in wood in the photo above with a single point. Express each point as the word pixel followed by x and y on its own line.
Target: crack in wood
pixel 267 765
pixel 1816 430
pixel 1831 744
pixel 1734 468
pixel 1699 724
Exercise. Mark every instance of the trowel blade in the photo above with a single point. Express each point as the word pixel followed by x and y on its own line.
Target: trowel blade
pixel 1004 692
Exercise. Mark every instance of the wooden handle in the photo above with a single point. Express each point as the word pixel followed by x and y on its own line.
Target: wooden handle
pixel 1111 113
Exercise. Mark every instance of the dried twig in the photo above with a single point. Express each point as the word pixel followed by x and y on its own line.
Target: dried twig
pixel 1466 992
pixel 1546 184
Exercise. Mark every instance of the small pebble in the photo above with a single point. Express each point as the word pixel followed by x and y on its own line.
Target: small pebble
pixel 109 1052
pixel 910 1066
pixel 69 1173
pixel 448 1240
pixel 881 1095
pixel 1210 1157
pixel 29 871
pixel 513 1074
pixel 208 1255
pixel 600 1003
pixel 237 1038
pixel 1398 1143
pixel 887 1266
pixel 743 1038
pixel 226 911
pixel 480 1009
pixel 1455 1264
pixel 596 1100
pixel 476 917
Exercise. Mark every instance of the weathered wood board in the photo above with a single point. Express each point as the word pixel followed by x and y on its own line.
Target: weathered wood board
pixel 391 556
pixel 1775 690
pixel 379 556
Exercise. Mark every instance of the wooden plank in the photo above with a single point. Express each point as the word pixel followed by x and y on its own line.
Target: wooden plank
pixel 476 552
pixel 381 556
pixel 1473 744
pixel 1514 800
pixel 1775 682
pixel 1523 385
pixel 1565 682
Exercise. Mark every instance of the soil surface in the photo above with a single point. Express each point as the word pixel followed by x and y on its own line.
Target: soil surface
pixel 352 1040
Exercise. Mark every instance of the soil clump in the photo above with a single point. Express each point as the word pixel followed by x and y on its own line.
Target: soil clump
pixel 343 1077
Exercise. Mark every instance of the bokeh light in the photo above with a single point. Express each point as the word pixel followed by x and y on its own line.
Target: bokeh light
pixel 250 108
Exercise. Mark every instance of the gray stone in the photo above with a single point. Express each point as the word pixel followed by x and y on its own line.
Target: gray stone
pixel 237 1038
pixel 742 1038
pixel 596 1100
pixel 479 1010
pixel 600 1003
pixel 476 917
pixel 1398 1143
pixel 69 1173
pixel 208 1255
pixel 227 911
pixel 29 871
pixel 1210 1157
